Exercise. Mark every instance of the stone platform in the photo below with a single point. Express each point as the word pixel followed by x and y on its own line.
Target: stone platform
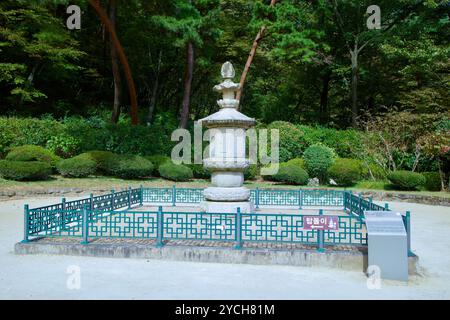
pixel 340 257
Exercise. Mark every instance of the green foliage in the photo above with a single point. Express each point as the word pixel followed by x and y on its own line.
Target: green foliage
pixel 175 172
pixel 318 159
pixel 251 172
pixel 157 161
pixel 24 171
pixel 432 181
pixel 32 153
pixel 77 167
pixel 406 180
pixel 345 172
pixel 378 172
pixel 291 174
pixel 299 162
pixel 292 143
pixel 101 158
pixel 128 167
pixel 199 171
pixel 64 146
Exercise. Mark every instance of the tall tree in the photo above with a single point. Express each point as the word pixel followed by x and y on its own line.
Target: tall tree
pixel 122 56
pixel 115 64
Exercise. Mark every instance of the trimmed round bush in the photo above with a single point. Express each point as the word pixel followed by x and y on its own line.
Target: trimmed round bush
pixel 77 167
pixel 318 159
pixel 299 162
pixel 199 171
pixel 432 181
pixel 25 170
pixel 157 161
pixel 291 174
pixel 103 159
pixel 33 153
pixel 345 172
pixel 175 172
pixel 406 180
pixel 129 167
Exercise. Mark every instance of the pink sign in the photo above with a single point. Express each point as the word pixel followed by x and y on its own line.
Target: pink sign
pixel 320 222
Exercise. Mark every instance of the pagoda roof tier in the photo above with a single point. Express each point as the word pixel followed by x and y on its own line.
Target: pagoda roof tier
pixel 228 117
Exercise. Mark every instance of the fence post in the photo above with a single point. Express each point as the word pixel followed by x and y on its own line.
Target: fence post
pixel 91 202
pixel 141 200
pixel 129 197
pixel 112 199
pixel 386 206
pixel 159 229
pixel 320 236
pixel 26 225
pixel 408 233
pixel 257 198
pixel 63 212
pixel 360 212
pixel 350 201
pixel 238 229
pixel 85 226
pixel 174 195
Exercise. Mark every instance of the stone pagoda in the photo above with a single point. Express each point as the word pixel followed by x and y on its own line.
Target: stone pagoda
pixel 227 157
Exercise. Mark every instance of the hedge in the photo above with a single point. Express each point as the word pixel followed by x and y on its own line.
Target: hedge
pixel 157 161
pixel 432 181
pixel 292 143
pixel 24 171
pixel 33 153
pixel 128 167
pixel 345 172
pixel 175 172
pixel 291 174
pixel 102 159
pixel 77 167
pixel 406 180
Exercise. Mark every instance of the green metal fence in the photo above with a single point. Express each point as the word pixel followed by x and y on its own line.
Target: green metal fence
pixel 98 217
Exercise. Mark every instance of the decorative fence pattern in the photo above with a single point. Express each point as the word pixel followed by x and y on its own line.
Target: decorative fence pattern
pixel 97 217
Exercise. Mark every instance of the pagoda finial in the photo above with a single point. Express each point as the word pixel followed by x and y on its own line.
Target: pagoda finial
pixel 227 70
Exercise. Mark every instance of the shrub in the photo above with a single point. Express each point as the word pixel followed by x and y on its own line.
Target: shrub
pixel 20 170
pixel 77 167
pixel 406 180
pixel 291 174
pixel 292 143
pixel 378 172
pixel 318 159
pixel 33 153
pixel 175 172
pixel 345 172
pixel 251 172
pixel 128 167
pixel 64 146
pixel 157 161
pixel 199 171
pixel 432 181
pixel 103 159
pixel 299 162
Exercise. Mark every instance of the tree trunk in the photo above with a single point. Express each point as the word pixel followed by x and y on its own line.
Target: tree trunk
pixel 355 78
pixel 251 56
pixel 187 85
pixel 151 107
pixel 115 65
pixel 324 98
pixel 122 56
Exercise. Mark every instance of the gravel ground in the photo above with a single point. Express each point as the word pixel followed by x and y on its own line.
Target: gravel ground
pixel 46 277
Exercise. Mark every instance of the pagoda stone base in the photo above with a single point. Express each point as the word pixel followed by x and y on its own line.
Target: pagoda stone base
pixel 227 207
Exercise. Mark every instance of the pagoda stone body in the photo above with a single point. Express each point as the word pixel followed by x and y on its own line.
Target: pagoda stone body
pixel 227 157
